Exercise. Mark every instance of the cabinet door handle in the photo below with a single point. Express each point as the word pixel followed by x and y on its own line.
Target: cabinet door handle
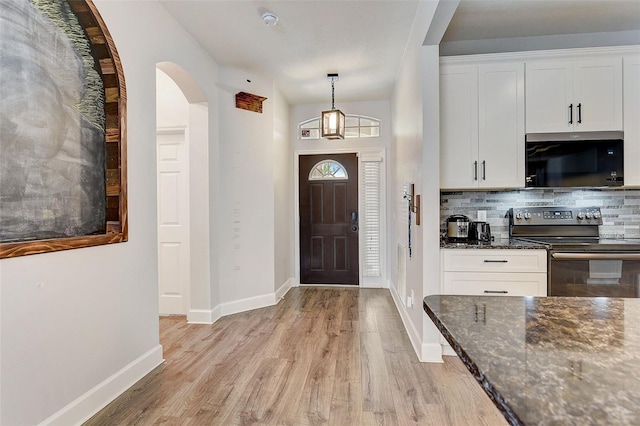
pixel 481 313
pixel 496 291
pixel 570 113
pixel 495 261
pixel 475 170
pixel 579 113
pixel 575 369
pixel 484 170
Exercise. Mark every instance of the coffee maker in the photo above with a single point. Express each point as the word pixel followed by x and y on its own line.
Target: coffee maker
pixel 480 232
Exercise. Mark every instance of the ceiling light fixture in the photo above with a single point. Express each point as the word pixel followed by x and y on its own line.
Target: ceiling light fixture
pixel 270 19
pixel 333 120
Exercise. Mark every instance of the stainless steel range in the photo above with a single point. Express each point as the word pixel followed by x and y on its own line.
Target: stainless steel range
pixel 580 263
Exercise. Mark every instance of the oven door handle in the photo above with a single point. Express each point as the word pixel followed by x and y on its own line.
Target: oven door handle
pixel 596 256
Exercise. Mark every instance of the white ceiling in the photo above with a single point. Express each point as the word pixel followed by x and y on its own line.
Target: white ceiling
pixel 364 40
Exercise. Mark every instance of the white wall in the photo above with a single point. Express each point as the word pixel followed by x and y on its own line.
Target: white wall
pixel 430 73
pixel 80 326
pixel 283 197
pixel 203 283
pixel 172 108
pixel 415 162
pixel 73 319
pixel 246 243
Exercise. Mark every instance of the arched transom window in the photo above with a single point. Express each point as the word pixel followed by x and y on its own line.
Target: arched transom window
pixel 327 170
pixel 356 126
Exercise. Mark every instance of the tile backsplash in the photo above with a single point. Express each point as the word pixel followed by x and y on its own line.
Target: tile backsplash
pixel 620 207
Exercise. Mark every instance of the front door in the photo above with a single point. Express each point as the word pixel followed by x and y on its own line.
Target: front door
pixel 328 219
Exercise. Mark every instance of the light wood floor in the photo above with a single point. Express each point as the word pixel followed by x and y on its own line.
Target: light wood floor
pixel 334 356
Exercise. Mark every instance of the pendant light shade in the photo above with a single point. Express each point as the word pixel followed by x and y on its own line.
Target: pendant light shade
pixel 333 124
pixel 333 120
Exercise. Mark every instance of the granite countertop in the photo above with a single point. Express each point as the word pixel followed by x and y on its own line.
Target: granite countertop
pixel 497 244
pixel 548 360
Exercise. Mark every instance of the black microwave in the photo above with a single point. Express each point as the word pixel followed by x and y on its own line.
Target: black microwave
pixel 574 159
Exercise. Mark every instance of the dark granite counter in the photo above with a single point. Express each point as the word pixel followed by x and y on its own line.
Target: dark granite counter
pixel 548 360
pixel 497 244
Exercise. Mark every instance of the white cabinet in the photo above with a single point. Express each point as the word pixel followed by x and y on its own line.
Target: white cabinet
pixel 494 284
pixel 482 126
pixel 458 127
pixel 631 77
pixel 494 272
pixel 581 95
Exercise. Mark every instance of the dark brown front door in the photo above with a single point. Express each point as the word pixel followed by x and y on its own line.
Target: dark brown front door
pixel 329 219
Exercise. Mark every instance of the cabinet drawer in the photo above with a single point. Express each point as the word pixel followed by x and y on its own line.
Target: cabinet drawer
pixel 495 260
pixel 495 284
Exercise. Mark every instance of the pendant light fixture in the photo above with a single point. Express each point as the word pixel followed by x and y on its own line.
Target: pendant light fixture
pixel 333 120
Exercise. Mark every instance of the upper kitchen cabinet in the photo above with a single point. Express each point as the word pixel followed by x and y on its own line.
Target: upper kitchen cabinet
pixel 572 96
pixel 631 74
pixel 482 125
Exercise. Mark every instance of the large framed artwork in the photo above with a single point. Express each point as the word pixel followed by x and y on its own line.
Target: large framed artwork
pixel 62 129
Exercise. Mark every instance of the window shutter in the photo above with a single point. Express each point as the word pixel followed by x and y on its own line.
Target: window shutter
pixel 371 218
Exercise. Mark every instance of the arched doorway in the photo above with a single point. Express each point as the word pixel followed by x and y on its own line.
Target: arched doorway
pixel 183 192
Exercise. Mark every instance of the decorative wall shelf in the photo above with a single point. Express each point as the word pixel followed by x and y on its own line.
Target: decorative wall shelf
pixel 249 101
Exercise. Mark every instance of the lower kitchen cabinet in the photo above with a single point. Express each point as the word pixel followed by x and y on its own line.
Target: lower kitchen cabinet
pixel 495 260
pixel 493 272
pixel 495 283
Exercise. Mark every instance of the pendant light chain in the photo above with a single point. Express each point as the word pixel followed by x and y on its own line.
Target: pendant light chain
pixel 333 95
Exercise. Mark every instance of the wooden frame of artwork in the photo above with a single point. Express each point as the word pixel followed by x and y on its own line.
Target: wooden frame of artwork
pixel 108 66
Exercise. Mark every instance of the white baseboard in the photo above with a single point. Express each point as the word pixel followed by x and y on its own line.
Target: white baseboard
pixel 248 304
pixel 256 302
pixel 374 282
pixel 426 352
pixel 284 288
pixel 97 398
pixel 209 316
pixel 414 336
pixel 448 350
pixel 203 316
pixel 431 352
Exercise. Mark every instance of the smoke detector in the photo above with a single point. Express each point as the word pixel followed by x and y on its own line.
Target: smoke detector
pixel 270 19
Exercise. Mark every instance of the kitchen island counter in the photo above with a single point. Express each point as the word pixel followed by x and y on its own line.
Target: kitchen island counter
pixel 548 360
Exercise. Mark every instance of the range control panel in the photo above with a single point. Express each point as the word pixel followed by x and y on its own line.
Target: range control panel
pixel 555 216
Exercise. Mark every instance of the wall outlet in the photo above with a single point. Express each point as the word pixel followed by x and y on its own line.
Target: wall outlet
pixel 482 215
pixel 410 300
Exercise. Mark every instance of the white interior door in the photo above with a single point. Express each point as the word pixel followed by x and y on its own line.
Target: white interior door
pixel 173 222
